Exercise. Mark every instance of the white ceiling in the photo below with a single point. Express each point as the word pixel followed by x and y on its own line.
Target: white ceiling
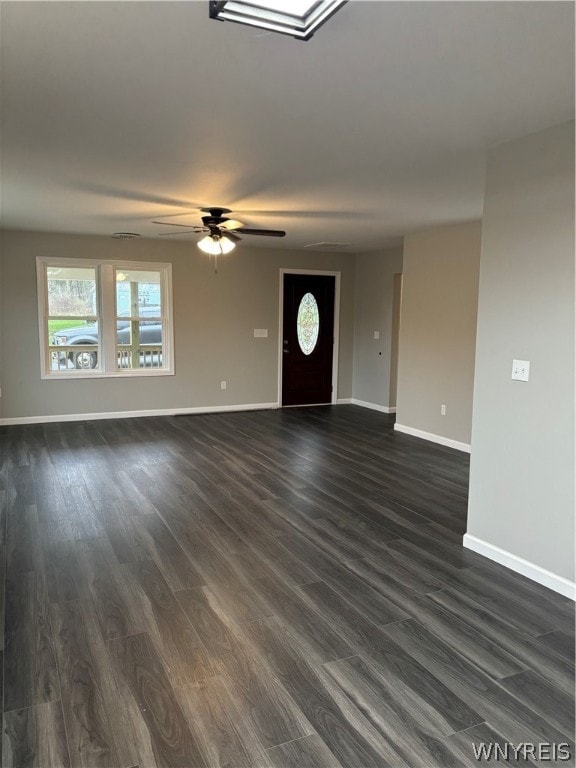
pixel 114 114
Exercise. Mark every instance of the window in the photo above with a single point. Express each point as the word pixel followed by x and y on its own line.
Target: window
pixel 308 323
pixel 104 318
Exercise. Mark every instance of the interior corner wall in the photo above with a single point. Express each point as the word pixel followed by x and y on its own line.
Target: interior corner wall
pixel 438 331
pixel 374 312
pixel 522 465
pixel 214 320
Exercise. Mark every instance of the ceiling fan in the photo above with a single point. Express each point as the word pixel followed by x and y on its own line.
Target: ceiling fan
pixel 222 231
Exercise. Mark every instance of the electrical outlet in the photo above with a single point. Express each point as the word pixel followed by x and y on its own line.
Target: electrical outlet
pixel 443 410
pixel 260 333
pixel 520 370
pixel 222 385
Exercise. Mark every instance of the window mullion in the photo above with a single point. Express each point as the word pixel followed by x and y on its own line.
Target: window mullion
pixel 107 318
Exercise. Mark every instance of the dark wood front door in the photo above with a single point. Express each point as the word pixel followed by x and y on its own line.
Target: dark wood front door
pixel 308 339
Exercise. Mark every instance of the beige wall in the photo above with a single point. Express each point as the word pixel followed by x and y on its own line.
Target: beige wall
pixel 522 464
pixel 438 330
pixel 374 312
pixel 214 318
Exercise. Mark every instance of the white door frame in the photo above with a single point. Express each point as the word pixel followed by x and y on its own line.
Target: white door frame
pixel 320 272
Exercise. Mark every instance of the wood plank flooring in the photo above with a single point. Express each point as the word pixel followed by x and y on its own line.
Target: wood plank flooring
pixel 281 589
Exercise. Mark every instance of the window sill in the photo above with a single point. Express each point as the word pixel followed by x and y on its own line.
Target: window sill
pixel 73 376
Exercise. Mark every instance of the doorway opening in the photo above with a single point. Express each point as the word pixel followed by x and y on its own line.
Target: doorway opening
pixel 395 339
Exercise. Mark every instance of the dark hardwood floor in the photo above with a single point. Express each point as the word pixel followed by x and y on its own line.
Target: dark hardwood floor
pixel 278 588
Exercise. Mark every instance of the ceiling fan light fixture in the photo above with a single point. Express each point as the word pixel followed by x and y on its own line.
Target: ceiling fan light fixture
pixel 216 245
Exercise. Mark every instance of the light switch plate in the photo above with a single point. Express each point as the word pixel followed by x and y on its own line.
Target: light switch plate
pixel 520 370
pixel 376 334
pixel 260 333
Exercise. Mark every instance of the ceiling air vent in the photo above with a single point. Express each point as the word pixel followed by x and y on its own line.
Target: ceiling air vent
pixel 124 235
pixel 326 246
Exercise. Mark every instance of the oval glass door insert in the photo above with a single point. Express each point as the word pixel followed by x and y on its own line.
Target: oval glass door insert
pixel 308 323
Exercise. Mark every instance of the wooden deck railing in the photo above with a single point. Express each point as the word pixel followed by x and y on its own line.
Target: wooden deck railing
pixel 149 355
pixel 85 356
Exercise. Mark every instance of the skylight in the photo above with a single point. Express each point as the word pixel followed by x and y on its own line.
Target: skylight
pixel 297 18
pixel 293 7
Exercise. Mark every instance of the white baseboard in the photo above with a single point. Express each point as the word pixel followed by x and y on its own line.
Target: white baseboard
pixel 519 565
pixel 374 406
pixel 137 414
pixel 433 438
pixel 172 412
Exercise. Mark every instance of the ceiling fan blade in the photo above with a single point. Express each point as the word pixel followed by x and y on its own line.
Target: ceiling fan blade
pixel 232 236
pixel 231 224
pixel 172 224
pixel 263 232
pixel 186 232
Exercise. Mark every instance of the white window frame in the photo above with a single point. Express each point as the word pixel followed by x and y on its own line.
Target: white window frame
pixel 106 311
